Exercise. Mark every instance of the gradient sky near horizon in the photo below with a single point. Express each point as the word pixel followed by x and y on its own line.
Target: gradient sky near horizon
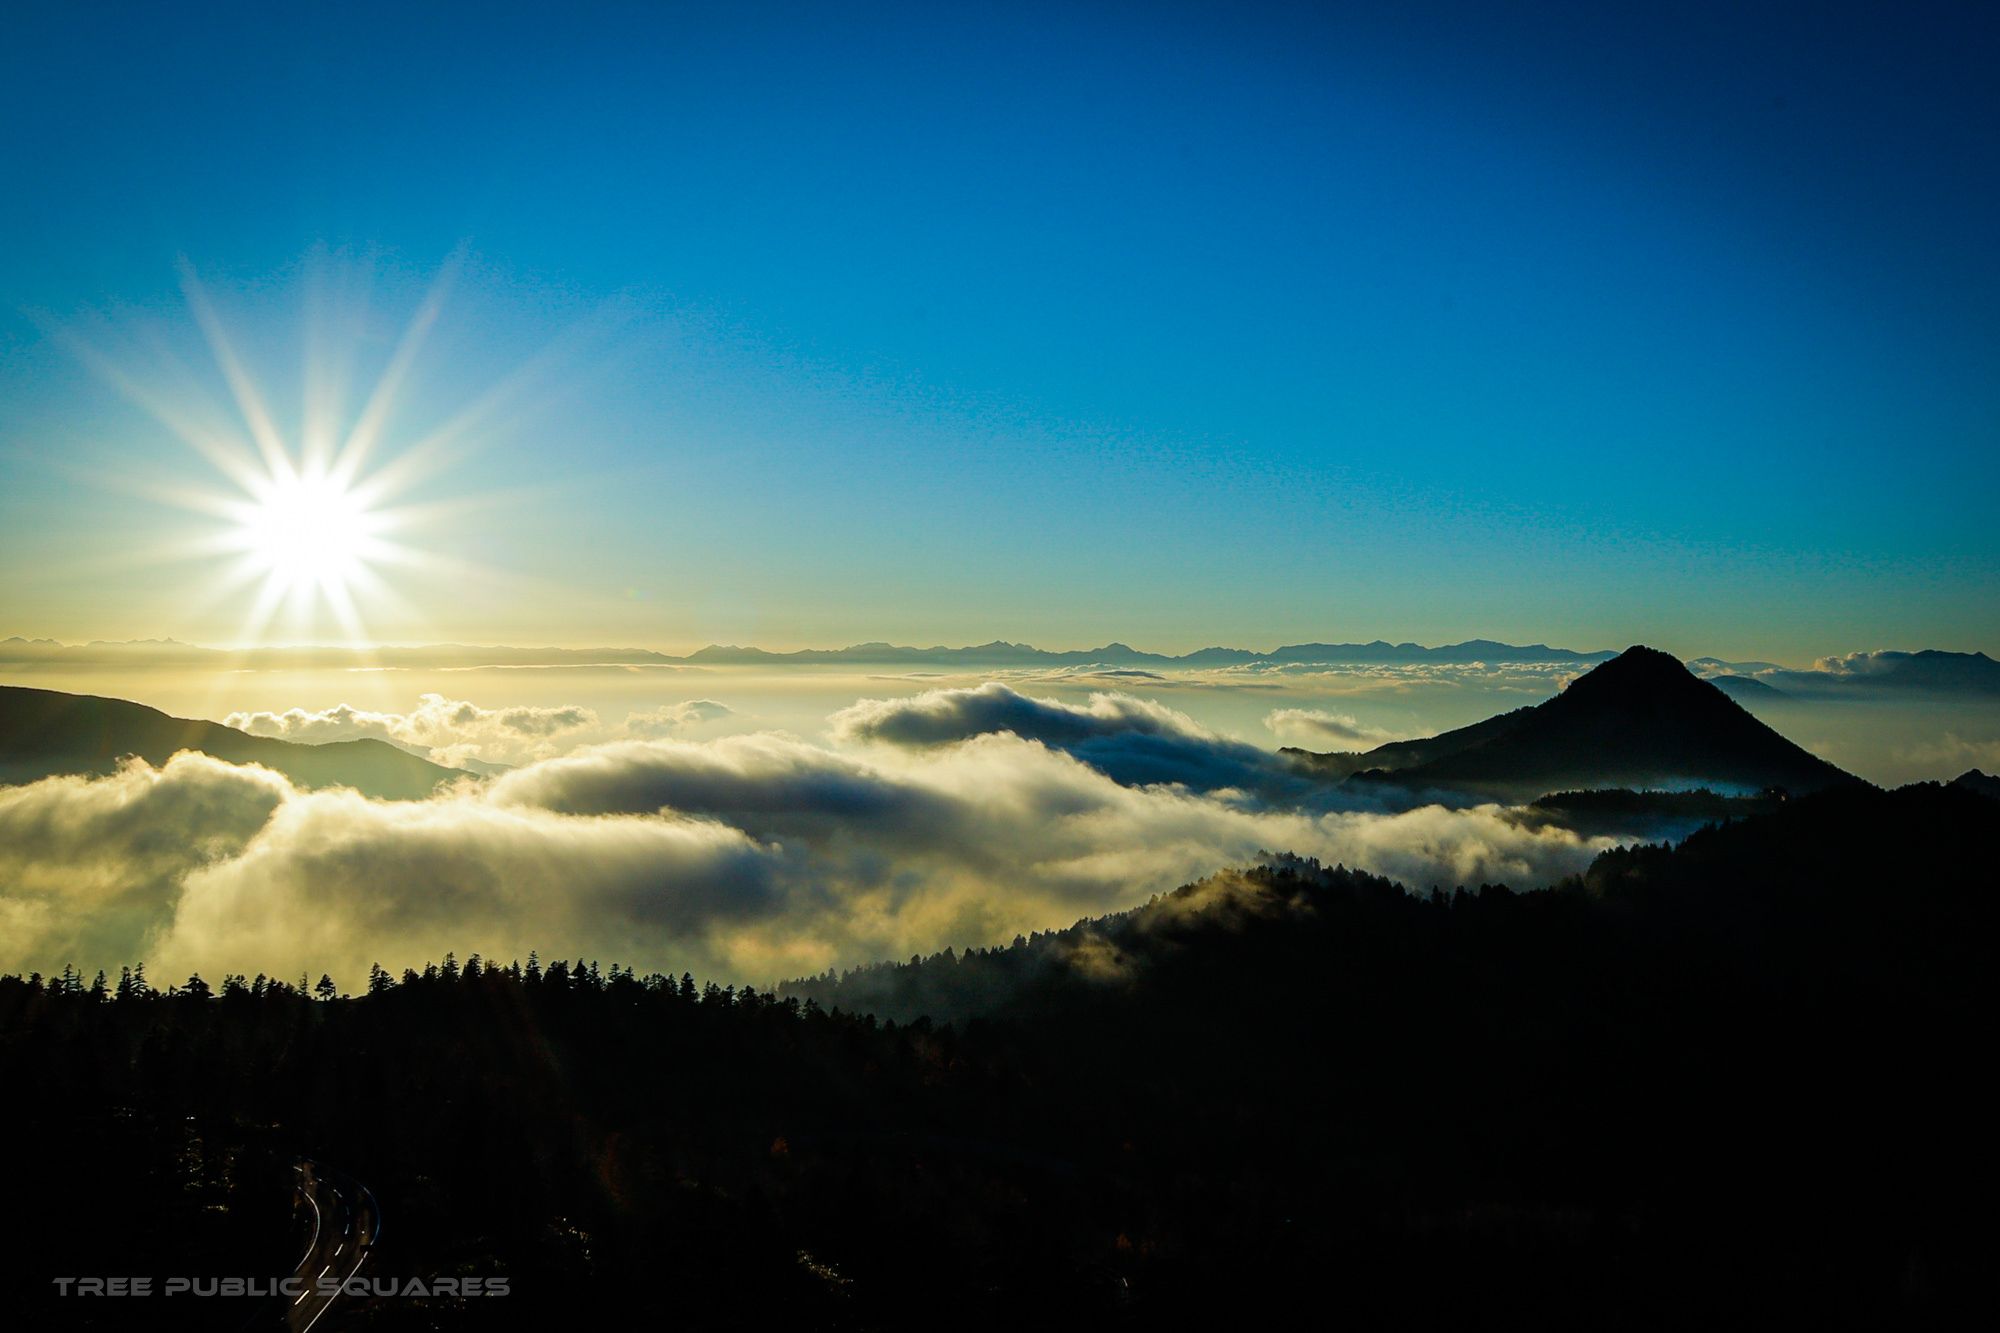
pixel 806 325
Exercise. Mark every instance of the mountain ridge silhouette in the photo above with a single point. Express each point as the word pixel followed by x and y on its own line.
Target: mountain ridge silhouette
pixel 47 733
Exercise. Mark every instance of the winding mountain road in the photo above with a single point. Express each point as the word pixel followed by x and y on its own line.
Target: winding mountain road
pixel 346 1221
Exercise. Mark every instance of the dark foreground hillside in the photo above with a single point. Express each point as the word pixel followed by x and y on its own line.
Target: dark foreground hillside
pixel 1743 1079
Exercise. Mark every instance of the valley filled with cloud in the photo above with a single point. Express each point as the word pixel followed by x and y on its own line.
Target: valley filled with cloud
pixel 958 816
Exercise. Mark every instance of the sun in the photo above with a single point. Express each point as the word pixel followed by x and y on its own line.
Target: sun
pixel 307 533
pixel 311 537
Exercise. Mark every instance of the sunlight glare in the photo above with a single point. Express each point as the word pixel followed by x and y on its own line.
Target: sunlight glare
pixel 318 512
pixel 306 532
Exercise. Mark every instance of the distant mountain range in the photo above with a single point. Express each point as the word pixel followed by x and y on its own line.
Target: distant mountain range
pixel 1119 654
pixel 44 733
pixel 1930 671
pixel 1641 720
pixel 996 653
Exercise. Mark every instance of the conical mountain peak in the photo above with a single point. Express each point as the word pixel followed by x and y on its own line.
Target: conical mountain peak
pixel 1640 720
pixel 1638 669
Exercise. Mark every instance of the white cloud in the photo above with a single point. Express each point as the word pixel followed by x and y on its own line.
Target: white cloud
pixel 938 717
pixel 1135 741
pixel 336 882
pixel 676 719
pixel 90 866
pixel 462 734
pixel 1859 664
pixel 1317 727
pixel 449 731
pixel 1952 754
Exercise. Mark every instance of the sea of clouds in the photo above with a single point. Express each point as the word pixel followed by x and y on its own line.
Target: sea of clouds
pixel 957 816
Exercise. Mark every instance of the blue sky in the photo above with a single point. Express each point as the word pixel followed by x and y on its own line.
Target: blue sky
pixel 1061 323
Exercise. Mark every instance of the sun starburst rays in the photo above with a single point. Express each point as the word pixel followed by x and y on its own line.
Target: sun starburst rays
pixel 304 522
pixel 331 509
